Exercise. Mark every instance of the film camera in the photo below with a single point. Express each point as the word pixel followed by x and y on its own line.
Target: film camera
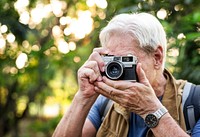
pixel 120 67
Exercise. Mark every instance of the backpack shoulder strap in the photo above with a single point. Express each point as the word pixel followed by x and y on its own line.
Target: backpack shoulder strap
pixel 105 107
pixel 186 92
pixel 191 105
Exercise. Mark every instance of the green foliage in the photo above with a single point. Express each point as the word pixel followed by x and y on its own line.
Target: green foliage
pixel 187 66
pixel 43 126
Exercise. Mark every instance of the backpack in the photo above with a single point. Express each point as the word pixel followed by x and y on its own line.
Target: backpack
pixel 190 105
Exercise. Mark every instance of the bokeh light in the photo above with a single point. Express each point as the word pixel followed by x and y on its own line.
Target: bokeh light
pixel 72 46
pixel 162 14
pixel 57 7
pixel 99 3
pixel 2 43
pixel 24 18
pixel 3 29
pixel 10 38
pixel 77 59
pixel 63 46
pixel 82 26
pixel 181 36
pixel 21 4
pixel 21 60
pixel 56 31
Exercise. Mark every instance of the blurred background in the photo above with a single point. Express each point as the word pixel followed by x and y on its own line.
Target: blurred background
pixel 44 42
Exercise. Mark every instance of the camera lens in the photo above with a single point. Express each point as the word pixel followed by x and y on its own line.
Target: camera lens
pixel 114 70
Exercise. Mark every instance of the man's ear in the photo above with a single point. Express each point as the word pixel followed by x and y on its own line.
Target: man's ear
pixel 158 57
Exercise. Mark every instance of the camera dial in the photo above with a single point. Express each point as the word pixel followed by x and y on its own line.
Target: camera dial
pixel 114 69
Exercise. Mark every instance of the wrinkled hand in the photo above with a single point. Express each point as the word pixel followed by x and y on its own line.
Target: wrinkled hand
pixel 138 97
pixel 91 72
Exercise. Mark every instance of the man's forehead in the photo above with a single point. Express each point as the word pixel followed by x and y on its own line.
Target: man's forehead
pixel 121 51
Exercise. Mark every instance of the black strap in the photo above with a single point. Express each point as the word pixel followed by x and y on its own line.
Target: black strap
pixel 102 109
pixel 105 107
pixel 191 107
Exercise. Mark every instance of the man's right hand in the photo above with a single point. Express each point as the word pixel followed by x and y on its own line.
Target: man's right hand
pixel 91 72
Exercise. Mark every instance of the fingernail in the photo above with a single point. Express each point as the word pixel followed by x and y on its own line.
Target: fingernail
pixel 104 78
pixel 102 69
pixel 106 51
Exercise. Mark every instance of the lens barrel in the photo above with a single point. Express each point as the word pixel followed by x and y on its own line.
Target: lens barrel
pixel 114 70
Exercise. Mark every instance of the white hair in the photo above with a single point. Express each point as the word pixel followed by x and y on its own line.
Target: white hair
pixel 143 27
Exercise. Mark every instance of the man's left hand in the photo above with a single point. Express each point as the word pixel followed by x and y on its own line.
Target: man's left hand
pixel 138 97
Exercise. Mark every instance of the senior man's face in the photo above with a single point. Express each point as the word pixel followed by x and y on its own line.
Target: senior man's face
pixel 123 45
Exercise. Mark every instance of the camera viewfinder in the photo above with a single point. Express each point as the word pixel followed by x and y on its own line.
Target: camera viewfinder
pixel 127 59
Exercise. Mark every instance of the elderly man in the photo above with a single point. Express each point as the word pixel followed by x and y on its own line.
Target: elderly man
pixel 150 106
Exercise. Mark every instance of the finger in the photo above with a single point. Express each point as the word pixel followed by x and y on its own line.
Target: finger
pixel 141 75
pixel 107 90
pixel 108 95
pixel 101 50
pixel 88 74
pixel 95 56
pixel 92 65
pixel 120 84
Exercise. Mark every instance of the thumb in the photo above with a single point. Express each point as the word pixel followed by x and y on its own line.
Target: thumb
pixel 142 76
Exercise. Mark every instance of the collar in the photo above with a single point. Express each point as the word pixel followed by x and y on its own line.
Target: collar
pixel 173 94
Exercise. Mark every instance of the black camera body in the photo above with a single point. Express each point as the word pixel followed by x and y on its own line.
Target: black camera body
pixel 120 67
